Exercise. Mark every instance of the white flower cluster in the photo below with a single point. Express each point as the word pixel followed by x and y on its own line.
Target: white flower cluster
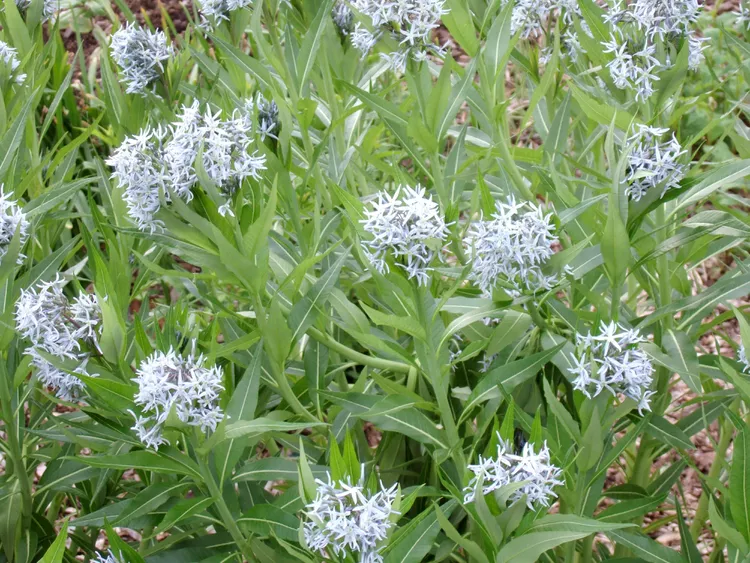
pixel 214 11
pixel 613 361
pixel 743 16
pixel 652 163
pixel 160 161
pixel 636 27
pixel 540 476
pixel 742 358
pixel 49 7
pixel 410 22
pixel 169 382
pixel 12 219
pixel 268 117
pixel 344 518
pixel 9 55
pixel 409 227
pixel 343 17
pixel 57 326
pixel 532 16
pixel 140 54
pixel 109 558
pixel 514 245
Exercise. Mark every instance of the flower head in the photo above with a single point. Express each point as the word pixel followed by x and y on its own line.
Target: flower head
pixel 12 219
pixel 168 382
pixel 268 116
pixel 636 29
pixel 407 226
pixel 109 558
pixel 138 165
pixel 540 476
pixel 161 162
pixel 57 326
pixel 140 54
pixel 346 518
pixel 49 7
pixel 9 55
pixel 225 146
pixel 343 17
pixel 214 11
pixel 409 22
pixel 742 358
pixel 612 360
pixel 653 163
pixel 514 245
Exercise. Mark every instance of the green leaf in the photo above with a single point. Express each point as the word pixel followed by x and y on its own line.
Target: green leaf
pixel 644 547
pixel 277 346
pixel 10 514
pixel 267 520
pixel 158 462
pixel 311 43
pixel 739 482
pixel 458 95
pixel 529 547
pixel 383 108
pixel 671 81
pixel 306 310
pixel 407 421
pixel 509 376
pixel 148 500
pixel 668 433
pixel 466 544
pixel 572 523
pixel 273 468
pixel 459 22
pixel 561 413
pixel 680 348
pixel 615 246
pixel 117 545
pixel 414 541
pixel 477 315
pixel 724 176
pixel 251 429
pixel 723 528
pixel 12 139
pixel 499 42
pixel 556 143
pixel 182 511
pixel 512 326
pixel 54 197
pixel 592 443
pixel 409 325
pixel 629 510
pixel 56 551
pixel 688 548
pixel 602 113
pixel 316 363
pixel 241 407
pixel 247 64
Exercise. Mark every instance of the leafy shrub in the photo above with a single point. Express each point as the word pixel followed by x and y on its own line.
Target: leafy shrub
pixel 409 280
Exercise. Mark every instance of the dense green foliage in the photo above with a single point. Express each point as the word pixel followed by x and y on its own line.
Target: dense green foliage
pixel 329 361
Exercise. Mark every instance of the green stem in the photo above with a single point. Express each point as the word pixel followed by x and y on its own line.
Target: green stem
pixel 642 466
pixel 588 550
pixel 512 169
pixel 440 383
pixel 226 515
pixel 360 358
pixel 285 390
pixel 15 451
pixel 701 513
